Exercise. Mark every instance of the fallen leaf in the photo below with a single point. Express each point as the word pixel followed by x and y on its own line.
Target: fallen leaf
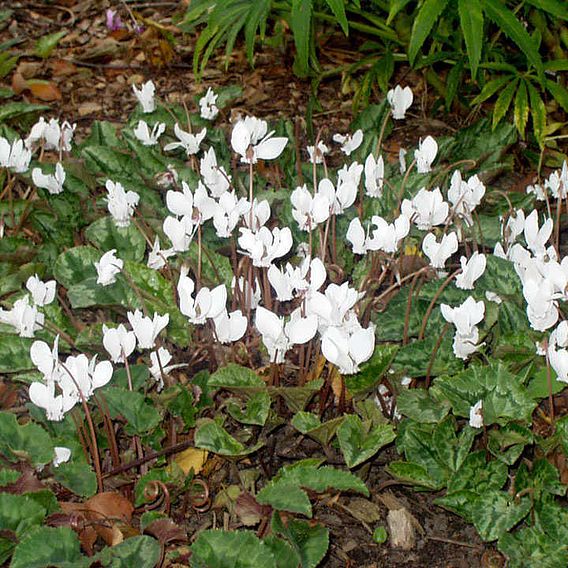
pixel 62 68
pixel 166 531
pixel 108 511
pixel 75 516
pixel 192 458
pixel 249 511
pixel 29 69
pixel 19 84
pixel 364 510
pixel 89 108
pixel 44 90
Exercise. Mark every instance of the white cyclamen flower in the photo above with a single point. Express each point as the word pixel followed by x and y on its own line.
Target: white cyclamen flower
pixel 157 257
pixel 14 156
pixel 24 318
pixel 536 237
pixel 207 304
pixel 119 342
pixel 228 212
pixel 252 141
pixel 427 209
pixel 465 196
pixel 214 177
pixel 189 142
pixel 309 211
pixel 439 252
pixel 108 267
pixel 472 269
pixel 265 246
pixel 387 236
pixel 62 455
pixel 374 176
pixel 425 154
pixel 43 293
pixel 465 318
pixel 278 336
pixel 52 182
pixel 400 100
pixel 179 231
pixel 160 365
pixel 145 96
pixel 348 347
pixel 349 143
pixel 356 236
pixel 55 406
pixel 558 359
pixel 54 136
pixel 120 203
pixel 316 153
pixel 146 329
pixel 230 327
pixel 208 106
pixel 196 205
pixel 476 415
pixel 147 137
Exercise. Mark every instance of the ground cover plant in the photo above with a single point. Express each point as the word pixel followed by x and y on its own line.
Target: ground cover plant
pixel 470 51
pixel 179 291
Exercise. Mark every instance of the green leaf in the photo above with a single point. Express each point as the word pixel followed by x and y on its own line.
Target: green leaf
pixel 75 265
pixel 210 436
pixel 15 353
pixel 301 24
pixel 140 551
pixel 537 387
pixel 358 442
pixel 30 441
pixel 413 473
pixel 555 7
pixel 338 9
pixel 490 88
pixel 495 512
pixel 47 43
pixel 559 93
pixel 507 443
pixel 141 416
pixel 471 21
pixel 503 102
pixel 234 376
pixel 283 496
pixel 532 547
pixel 283 553
pixel 17 110
pixel 428 14
pixel 504 397
pixel 47 546
pixel 255 411
pixel 77 477
pixel 310 425
pixel 420 406
pixel 521 108
pixel 538 112
pixel 284 492
pixel 476 474
pixel 541 480
pixel 506 20
pixel 395 7
pixel 310 542
pixel 128 242
pixel 380 535
pixel 372 371
pixel 19 513
pixel 221 549
pixel 88 293
pixel 8 476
